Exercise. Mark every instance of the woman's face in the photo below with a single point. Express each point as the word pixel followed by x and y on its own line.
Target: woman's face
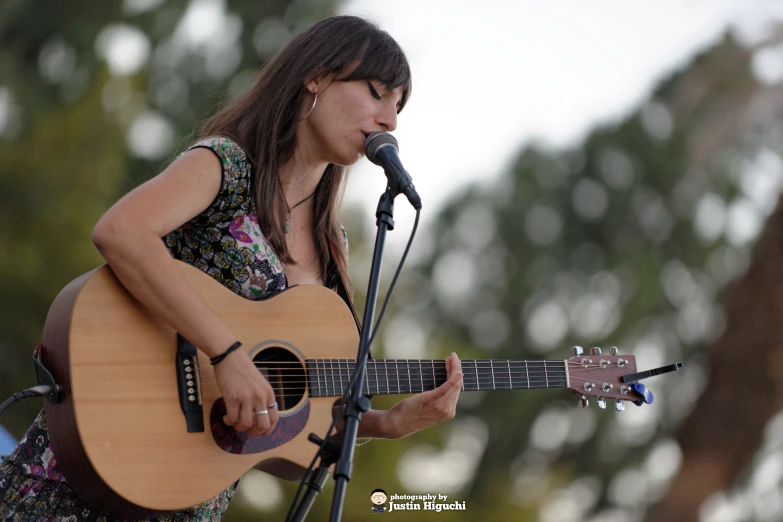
pixel 346 112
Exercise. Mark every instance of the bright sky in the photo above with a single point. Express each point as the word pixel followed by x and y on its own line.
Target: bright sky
pixel 489 76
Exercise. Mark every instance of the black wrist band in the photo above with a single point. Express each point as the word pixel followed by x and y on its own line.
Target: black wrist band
pixel 216 359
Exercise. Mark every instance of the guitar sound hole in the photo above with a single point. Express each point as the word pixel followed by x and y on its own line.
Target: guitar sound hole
pixel 285 373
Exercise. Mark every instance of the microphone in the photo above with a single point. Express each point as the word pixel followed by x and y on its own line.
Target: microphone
pixel 381 148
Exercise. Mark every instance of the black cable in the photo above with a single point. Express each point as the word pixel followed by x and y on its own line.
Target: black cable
pixel 35 391
pixel 396 276
pixel 349 386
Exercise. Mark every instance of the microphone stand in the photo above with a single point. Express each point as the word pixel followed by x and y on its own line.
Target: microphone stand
pixel 357 403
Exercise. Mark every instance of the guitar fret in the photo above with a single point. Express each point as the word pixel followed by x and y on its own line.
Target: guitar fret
pixel 336 377
pixel 527 374
pixel 311 379
pixel 324 380
pixel 537 382
pixel 330 378
pixel 365 381
pixel 562 381
pixel 367 390
pixel 546 376
pixel 410 380
pixel 502 381
pixel 486 382
pixel 325 391
pixel 510 382
pixel 321 378
pixel 338 385
pixel 430 384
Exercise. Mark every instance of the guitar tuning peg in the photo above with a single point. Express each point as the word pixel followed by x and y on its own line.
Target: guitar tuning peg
pixel 641 389
pixel 595 350
pixel 577 350
pixel 583 402
pixel 601 403
pixel 613 350
pixel 619 406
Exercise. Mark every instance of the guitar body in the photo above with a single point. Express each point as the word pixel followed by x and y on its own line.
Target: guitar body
pixel 119 434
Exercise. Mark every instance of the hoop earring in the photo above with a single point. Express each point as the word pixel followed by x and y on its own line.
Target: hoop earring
pixel 315 100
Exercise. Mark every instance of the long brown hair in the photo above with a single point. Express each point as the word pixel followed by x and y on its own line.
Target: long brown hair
pixel 263 121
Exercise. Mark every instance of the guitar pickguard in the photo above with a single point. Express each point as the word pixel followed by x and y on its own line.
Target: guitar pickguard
pixel 240 443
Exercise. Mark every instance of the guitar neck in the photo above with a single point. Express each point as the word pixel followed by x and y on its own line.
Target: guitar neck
pixel 329 377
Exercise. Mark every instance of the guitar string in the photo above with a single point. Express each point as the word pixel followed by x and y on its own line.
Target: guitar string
pixel 552 382
pixel 412 365
pixel 540 383
pixel 473 376
pixel 318 393
pixel 431 361
pixel 497 371
pixel 439 362
pixel 440 378
pixel 527 384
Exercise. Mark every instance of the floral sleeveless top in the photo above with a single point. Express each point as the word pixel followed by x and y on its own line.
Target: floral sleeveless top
pixel 225 241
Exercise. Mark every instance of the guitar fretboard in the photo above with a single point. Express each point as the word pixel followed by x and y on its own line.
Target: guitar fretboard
pixel 329 377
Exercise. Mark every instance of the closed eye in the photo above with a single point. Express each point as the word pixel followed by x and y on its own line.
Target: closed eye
pixel 373 91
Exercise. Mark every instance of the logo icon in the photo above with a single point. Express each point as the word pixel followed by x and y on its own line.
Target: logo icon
pixel 378 498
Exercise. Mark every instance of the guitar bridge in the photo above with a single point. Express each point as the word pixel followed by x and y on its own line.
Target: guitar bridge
pixel 189 385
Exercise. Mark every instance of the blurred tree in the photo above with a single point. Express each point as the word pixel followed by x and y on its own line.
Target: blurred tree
pixel 628 239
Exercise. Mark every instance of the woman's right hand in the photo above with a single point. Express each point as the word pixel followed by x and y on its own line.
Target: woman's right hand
pixel 245 391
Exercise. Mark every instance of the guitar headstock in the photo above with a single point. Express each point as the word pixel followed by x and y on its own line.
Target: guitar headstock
pixel 600 375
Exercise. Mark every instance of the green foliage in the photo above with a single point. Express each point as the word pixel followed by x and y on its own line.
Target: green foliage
pixel 608 243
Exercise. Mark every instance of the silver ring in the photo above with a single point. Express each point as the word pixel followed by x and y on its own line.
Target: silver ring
pixel 262 412
pixel 273 405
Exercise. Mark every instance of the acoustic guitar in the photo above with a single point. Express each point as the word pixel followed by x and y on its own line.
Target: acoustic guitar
pixel 138 432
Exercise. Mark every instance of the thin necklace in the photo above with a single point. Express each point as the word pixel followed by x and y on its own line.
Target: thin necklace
pixel 288 210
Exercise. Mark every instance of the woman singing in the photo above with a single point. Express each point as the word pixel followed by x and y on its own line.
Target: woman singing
pixel 253 203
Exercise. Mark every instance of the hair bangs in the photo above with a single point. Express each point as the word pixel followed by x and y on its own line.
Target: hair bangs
pixel 383 60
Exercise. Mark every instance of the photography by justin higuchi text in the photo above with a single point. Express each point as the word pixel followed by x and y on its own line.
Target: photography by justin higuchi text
pixel 385 503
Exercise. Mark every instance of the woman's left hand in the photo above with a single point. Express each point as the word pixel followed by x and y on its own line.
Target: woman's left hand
pixel 427 408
